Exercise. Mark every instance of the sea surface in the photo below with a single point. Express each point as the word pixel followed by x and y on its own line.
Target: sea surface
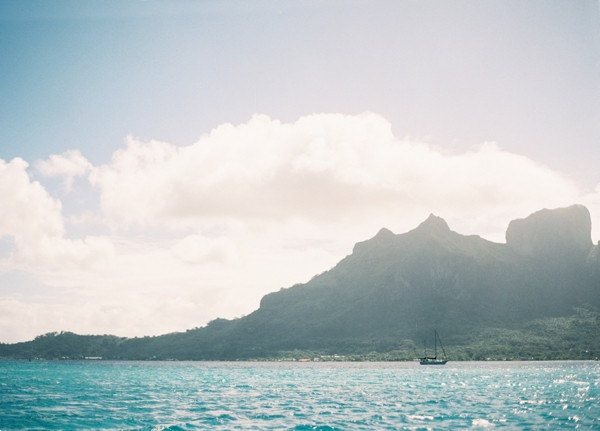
pixel 298 396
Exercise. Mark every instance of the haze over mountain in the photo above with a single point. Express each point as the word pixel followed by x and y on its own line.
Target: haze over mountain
pixel 536 296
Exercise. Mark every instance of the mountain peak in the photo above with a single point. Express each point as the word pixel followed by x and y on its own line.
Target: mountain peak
pixel 434 223
pixel 384 233
pixel 384 237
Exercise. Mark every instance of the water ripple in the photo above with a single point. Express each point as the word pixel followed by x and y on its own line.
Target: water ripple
pixel 314 396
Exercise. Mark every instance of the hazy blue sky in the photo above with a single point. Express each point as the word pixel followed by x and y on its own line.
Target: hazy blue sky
pixel 164 163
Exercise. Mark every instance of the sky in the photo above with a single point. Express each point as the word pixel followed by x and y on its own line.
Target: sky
pixel 167 163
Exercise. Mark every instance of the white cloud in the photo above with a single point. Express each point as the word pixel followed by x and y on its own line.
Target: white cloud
pixel 205 230
pixel 69 165
pixel 33 220
pixel 197 249
pixel 27 210
pixel 323 168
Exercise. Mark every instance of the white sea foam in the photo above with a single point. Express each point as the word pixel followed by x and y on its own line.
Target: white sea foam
pixel 482 423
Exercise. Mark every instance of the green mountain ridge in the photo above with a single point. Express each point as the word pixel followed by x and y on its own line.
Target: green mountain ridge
pixel 535 297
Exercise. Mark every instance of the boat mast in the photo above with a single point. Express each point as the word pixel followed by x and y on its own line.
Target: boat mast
pixel 441 345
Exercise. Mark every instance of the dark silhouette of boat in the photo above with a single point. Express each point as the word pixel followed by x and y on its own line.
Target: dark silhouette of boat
pixel 434 360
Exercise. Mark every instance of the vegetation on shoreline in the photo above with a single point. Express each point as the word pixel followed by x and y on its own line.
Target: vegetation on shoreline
pixel 576 337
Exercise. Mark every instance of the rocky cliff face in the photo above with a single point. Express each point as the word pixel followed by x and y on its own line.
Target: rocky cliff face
pixel 558 232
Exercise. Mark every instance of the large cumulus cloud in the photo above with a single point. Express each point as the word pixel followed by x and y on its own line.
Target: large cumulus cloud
pixel 185 234
pixel 322 169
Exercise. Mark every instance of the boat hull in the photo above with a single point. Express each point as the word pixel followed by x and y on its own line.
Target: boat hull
pixel 432 362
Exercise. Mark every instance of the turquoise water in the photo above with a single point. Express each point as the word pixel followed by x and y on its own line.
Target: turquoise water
pixel 300 396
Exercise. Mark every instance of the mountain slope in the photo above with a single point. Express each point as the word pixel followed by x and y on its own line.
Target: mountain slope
pixel 402 286
pixel 538 292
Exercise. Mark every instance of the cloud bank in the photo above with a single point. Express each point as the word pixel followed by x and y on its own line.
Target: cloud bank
pixel 203 231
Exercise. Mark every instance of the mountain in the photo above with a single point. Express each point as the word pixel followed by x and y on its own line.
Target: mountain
pixel 564 231
pixel 536 296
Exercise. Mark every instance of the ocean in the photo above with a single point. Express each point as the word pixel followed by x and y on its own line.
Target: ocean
pixel 298 396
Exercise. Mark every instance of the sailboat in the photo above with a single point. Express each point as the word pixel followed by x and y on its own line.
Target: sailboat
pixel 433 360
